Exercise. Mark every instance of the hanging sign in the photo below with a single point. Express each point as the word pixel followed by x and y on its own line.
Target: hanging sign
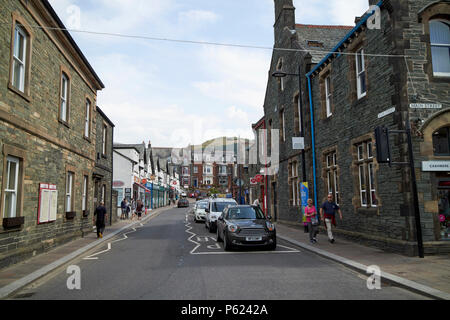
pixel 304 193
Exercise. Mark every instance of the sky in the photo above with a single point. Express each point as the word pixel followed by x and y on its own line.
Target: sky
pixel 175 94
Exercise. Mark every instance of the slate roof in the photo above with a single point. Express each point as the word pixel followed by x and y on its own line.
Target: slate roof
pixel 320 39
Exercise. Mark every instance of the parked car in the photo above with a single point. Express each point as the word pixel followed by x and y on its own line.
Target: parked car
pixel 183 203
pixel 200 211
pixel 245 225
pixel 214 211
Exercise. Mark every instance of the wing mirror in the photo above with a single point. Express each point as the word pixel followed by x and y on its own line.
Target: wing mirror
pixel 207 210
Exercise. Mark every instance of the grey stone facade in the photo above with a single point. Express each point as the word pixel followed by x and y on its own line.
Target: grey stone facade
pixel 32 133
pixel 384 217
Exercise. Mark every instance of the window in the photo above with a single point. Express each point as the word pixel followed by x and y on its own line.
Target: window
pixel 440 47
pixel 207 170
pixel 11 187
pixel 332 177
pixel 223 170
pixel 87 121
pixel 360 74
pixel 207 181
pixel 294 183
pixel 84 195
pixel 282 126
pixel 281 79
pixel 328 96
pixel 298 115
pixel 185 171
pixel 441 142
pixel 69 191
pixel 366 174
pixel 19 58
pixel 103 194
pixel 104 136
pixel 195 169
pixel 64 99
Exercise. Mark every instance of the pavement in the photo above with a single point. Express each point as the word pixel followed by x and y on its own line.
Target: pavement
pixel 429 276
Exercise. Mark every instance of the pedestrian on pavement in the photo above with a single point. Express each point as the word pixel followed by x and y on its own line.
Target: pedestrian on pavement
pixel 256 202
pixel 328 215
pixel 100 213
pixel 139 208
pixel 312 221
pixel 124 207
pixel 133 208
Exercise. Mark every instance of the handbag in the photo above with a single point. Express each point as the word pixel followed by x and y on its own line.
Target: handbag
pixel 314 220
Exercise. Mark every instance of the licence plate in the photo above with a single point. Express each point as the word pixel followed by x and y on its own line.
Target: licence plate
pixel 253 238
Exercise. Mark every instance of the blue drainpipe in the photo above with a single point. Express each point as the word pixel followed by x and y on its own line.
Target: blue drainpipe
pixel 311 111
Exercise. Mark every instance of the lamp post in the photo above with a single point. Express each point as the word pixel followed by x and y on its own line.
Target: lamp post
pixel 281 74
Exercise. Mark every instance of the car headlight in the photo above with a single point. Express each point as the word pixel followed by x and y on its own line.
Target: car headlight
pixel 270 226
pixel 233 228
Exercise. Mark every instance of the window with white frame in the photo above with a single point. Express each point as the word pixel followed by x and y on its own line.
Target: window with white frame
pixel 87 120
pixel 103 194
pixel 440 47
pixel 64 104
pixel 207 170
pixel 19 58
pixel 223 170
pixel 10 192
pixel 69 191
pixel 195 169
pixel 366 175
pixel 361 86
pixel 328 95
pixel 332 176
pixel 294 182
pixel 84 195
pixel 207 181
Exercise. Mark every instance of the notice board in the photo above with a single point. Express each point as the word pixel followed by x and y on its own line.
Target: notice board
pixel 48 203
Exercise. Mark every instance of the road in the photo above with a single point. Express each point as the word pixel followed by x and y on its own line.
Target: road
pixel 173 258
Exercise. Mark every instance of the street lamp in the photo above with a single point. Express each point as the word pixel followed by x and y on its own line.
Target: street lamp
pixel 281 74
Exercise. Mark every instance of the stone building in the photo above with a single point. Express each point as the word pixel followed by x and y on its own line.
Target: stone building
pixel 392 74
pixel 48 93
pixel 103 170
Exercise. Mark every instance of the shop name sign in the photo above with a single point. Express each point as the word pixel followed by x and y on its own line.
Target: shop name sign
pixel 436 166
pixel 425 106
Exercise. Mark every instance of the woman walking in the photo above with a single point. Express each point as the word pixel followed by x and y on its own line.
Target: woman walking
pixel 312 220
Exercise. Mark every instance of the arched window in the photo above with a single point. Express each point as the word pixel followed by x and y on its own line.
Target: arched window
pixel 441 142
pixel 440 47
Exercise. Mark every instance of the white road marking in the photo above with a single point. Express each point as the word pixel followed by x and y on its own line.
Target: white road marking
pixel 217 246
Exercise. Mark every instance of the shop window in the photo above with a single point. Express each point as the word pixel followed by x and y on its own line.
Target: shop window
pixel 440 47
pixel 441 142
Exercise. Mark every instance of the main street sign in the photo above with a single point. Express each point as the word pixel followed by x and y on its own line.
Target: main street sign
pixel 434 166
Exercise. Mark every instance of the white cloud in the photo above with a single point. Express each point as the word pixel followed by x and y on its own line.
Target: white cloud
pixel 238 76
pixel 197 17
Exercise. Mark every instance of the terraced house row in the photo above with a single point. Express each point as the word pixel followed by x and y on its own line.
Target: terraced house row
pixel 56 144
pixel 391 69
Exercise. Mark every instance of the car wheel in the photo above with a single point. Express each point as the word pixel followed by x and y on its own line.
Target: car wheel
pixel 218 238
pixel 226 243
pixel 273 246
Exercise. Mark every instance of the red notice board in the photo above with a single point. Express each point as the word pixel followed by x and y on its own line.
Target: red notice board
pixel 48 203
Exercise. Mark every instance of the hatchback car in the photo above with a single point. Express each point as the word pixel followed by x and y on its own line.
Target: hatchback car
pixel 199 211
pixel 183 203
pixel 245 226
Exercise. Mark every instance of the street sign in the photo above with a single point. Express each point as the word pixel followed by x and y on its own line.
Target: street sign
pixel 298 143
pixel 435 166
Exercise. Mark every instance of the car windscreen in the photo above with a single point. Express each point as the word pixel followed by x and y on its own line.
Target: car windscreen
pixel 245 213
pixel 219 206
pixel 202 205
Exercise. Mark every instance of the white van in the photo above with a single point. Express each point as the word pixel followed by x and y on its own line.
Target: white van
pixel 214 210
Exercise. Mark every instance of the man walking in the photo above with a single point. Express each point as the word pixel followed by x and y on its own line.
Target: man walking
pixel 139 208
pixel 124 207
pixel 328 215
pixel 100 212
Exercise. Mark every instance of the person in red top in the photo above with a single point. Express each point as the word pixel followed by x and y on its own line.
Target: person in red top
pixel 311 220
pixel 328 215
